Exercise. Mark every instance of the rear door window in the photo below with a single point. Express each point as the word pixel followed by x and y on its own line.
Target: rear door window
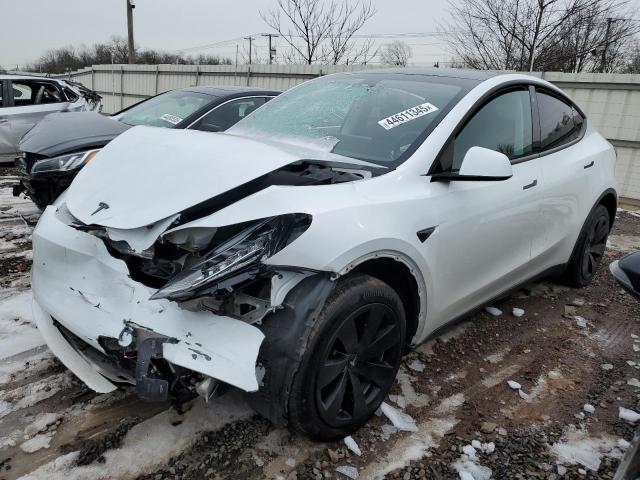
pixel 560 123
pixel 34 92
pixel 228 114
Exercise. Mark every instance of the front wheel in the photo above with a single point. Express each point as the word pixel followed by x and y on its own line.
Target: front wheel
pixel 352 359
pixel 353 352
pixel 589 248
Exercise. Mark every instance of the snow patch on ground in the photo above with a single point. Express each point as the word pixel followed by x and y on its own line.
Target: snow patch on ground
pixel 627 415
pixel 416 365
pixel 348 471
pixel 411 397
pixel 450 404
pixel 18 332
pixel 32 393
pixel 41 423
pixel 37 443
pixel 149 444
pixel 468 465
pixel 539 388
pixel 22 366
pixel 411 448
pixel 500 376
pixel 352 445
pixel 496 312
pixel 498 356
pixel 399 419
pixel 623 243
pixel 577 447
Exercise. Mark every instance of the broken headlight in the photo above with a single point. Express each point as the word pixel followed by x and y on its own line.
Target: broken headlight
pixel 243 250
pixel 64 163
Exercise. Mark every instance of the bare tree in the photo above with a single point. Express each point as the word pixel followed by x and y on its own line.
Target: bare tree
pixel 633 62
pixel 535 34
pixel 347 20
pixel 594 41
pixel 395 53
pixel 320 31
pixel 61 60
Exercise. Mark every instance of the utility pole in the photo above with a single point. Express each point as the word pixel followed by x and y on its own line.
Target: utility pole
pixel 272 51
pixel 132 52
pixel 235 71
pixel 251 39
pixel 603 60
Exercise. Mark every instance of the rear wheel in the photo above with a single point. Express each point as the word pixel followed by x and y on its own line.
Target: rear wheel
pixel 589 249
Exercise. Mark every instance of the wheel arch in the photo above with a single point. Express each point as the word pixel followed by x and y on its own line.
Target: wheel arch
pixel 609 198
pixel 403 275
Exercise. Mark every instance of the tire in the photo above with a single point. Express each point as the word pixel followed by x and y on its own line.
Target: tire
pixel 589 248
pixel 342 358
pixel 41 204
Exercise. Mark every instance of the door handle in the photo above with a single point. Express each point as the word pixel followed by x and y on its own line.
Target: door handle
pixel 531 185
pixel 590 165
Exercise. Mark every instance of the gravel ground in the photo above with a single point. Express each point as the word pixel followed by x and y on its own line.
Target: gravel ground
pixel 467 419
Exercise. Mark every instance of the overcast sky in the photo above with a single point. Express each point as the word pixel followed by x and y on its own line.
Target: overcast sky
pixel 30 27
pixel 175 25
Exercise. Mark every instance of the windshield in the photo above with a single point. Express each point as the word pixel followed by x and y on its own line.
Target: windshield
pixel 372 117
pixel 165 110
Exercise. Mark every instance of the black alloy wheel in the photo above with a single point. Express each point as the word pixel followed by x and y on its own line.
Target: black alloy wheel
pixel 595 245
pixel 589 248
pixel 358 365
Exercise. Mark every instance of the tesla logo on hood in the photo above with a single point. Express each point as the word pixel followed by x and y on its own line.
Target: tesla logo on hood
pixel 101 206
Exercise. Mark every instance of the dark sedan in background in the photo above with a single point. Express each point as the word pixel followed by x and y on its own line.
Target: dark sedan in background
pixel 55 149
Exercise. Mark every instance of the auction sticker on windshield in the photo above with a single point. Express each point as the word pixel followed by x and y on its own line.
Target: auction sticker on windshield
pixel 173 119
pixel 408 115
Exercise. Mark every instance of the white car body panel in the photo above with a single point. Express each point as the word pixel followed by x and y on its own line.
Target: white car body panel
pixel 571 190
pixel 75 279
pixel 112 177
pixel 17 120
pixel 488 237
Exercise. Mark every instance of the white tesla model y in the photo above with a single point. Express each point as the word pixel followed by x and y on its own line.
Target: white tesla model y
pixel 299 254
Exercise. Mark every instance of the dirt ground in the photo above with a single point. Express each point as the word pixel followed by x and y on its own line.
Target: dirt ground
pixel 574 353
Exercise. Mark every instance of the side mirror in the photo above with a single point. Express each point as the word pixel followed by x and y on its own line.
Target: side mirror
pixel 480 164
pixel 627 272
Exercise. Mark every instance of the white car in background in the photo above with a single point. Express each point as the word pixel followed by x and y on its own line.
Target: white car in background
pixel 299 254
pixel 25 100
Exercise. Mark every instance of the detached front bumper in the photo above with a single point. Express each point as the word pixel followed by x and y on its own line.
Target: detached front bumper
pixel 80 290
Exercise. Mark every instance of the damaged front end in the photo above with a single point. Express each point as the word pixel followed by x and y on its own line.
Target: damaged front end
pixel 180 315
pixel 144 286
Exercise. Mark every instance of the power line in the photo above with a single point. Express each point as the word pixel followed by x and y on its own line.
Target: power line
pixel 359 36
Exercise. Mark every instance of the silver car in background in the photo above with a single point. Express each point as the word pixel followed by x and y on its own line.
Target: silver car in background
pixel 25 100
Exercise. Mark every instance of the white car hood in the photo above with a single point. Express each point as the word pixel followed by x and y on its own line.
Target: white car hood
pixel 148 174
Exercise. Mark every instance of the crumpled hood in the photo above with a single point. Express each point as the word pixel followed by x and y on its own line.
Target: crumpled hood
pixel 148 174
pixel 60 133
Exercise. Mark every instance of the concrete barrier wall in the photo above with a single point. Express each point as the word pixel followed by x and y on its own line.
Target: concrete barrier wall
pixel 611 101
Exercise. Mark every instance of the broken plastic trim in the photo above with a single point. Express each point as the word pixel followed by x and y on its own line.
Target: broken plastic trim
pixel 286 340
pixel 243 251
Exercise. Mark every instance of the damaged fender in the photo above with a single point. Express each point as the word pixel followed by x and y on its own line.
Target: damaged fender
pixel 287 332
